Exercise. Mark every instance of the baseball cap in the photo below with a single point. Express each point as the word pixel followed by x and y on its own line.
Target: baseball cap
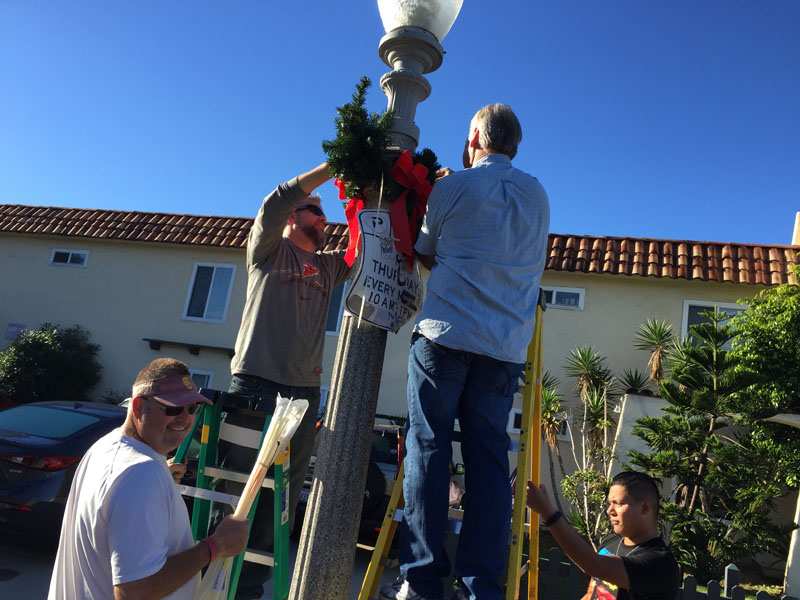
pixel 172 390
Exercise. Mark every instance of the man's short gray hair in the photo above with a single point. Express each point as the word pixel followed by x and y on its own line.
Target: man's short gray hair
pixel 499 129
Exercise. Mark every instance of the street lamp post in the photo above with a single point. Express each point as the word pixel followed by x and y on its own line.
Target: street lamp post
pixel 324 564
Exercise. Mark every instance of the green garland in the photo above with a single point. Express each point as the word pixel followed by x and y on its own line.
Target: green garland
pixel 360 154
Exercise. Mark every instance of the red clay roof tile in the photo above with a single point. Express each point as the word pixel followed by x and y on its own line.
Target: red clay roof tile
pixel 646 257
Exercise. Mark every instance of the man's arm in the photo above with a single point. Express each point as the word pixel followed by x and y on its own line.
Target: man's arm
pixel 607 568
pixel 311 180
pixel 229 539
pixel 276 209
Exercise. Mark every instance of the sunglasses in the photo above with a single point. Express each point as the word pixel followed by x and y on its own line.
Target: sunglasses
pixel 312 208
pixel 174 411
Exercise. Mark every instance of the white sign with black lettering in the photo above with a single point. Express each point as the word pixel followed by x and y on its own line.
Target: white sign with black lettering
pixel 384 292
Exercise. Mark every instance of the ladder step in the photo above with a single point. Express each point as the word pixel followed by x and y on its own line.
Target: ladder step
pixel 211 495
pixel 240 436
pixel 365 547
pixel 229 475
pixel 257 556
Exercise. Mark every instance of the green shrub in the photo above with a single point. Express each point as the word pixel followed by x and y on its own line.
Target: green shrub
pixel 49 363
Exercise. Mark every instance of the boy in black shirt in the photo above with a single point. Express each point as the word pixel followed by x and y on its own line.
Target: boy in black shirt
pixel 635 563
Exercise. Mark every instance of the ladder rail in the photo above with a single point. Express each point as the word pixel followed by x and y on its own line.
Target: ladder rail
pixel 212 430
pixel 528 467
pixel 526 459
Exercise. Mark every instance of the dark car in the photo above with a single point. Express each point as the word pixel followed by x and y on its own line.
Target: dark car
pixel 381 473
pixel 40 447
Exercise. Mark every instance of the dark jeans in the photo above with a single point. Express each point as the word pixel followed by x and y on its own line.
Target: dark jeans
pixel 261 394
pixel 444 384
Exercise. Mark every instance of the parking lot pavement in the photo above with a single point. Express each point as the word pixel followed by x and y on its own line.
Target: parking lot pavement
pixel 25 570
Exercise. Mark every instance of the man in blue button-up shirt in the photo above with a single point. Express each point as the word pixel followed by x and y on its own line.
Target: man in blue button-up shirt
pixel 484 238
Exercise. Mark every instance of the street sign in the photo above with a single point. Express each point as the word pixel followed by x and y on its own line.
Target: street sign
pixel 383 293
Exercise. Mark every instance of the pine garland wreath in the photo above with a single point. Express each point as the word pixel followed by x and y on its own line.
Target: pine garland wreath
pixel 357 153
pixel 362 160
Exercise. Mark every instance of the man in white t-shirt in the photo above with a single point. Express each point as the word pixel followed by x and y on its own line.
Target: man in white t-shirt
pixel 126 532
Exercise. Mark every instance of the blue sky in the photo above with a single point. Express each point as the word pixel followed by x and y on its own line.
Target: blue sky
pixel 665 119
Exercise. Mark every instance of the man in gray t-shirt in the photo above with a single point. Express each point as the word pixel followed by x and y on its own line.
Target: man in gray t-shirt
pixel 279 346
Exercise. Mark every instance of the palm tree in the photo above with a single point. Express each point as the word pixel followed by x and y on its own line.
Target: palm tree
pixel 633 381
pixel 656 337
pixel 587 366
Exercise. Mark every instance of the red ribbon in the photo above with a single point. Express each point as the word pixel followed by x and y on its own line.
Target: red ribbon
pixel 351 210
pixel 414 177
pixel 411 176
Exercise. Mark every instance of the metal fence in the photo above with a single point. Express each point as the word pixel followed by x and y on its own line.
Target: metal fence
pixel 559 579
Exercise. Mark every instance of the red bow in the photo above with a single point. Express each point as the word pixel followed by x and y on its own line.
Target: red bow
pixel 410 176
pixel 351 210
pixel 414 177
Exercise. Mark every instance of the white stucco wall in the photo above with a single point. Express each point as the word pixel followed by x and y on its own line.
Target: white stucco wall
pixel 127 291
pixel 614 307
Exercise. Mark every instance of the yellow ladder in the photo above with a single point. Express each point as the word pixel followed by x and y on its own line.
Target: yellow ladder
pixel 528 467
pixel 528 455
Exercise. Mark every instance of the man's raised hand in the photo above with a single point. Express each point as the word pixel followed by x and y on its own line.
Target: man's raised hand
pixel 539 500
pixel 444 172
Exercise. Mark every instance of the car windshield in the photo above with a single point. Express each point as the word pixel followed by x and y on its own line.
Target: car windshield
pixel 45 421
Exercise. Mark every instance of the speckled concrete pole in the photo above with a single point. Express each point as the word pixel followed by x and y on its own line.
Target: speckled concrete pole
pixel 324 565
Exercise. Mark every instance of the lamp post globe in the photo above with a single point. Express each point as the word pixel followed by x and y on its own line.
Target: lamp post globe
pixel 412 47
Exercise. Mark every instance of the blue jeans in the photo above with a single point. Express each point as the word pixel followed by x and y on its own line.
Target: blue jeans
pixel 444 384
pixel 260 394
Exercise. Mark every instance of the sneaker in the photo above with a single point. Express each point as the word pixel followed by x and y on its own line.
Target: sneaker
pixel 389 591
pixel 400 589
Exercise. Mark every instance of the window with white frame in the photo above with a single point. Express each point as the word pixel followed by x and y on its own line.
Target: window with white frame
pixel 69 258
pixel 209 292
pixel 514 425
pixel 335 309
pixel 694 312
pixel 201 378
pixel 563 297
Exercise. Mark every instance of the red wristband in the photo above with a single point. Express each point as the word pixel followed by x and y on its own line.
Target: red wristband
pixel 212 549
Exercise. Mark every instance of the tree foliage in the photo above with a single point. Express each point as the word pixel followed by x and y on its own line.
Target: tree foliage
pixel 360 153
pixel 725 479
pixel 767 349
pixel 49 363
pixel 656 337
pixel 586 487
pixel 362 138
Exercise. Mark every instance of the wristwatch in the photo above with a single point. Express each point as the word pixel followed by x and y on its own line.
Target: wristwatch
pixel 552 519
